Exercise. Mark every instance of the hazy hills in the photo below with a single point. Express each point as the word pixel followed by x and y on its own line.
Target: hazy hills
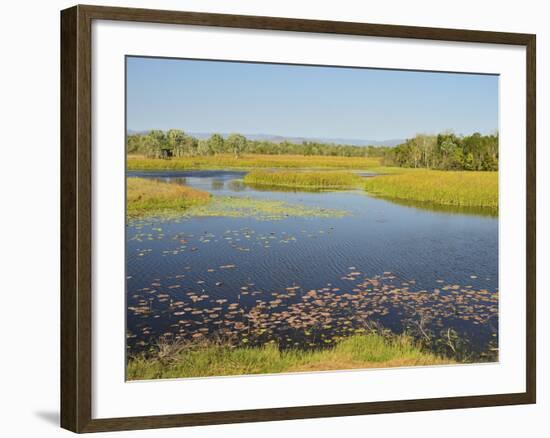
pixel 281 138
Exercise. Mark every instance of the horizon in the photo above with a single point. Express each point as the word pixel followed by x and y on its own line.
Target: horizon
pixel 310 102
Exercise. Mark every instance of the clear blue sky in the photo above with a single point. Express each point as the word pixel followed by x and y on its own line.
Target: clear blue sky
pixel 304 101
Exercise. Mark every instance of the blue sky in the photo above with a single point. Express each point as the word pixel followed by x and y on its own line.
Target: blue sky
pixel 304 101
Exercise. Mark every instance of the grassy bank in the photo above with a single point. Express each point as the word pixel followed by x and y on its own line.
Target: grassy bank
pixel 150 197
pixel 460 188
pixel 214 359
pixel 147 197
pixel 225 161
pixel 312 180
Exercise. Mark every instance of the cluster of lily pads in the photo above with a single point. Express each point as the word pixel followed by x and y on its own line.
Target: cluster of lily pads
pixel 298 317
pixel 236 207
pixel 242 239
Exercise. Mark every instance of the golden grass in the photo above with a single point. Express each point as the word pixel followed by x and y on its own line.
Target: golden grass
pixel 354 352
pixel 149 197
pixel 249 161
pixel 316 179
pixel 460 188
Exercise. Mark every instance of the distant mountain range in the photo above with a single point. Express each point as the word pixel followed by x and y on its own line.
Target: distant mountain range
pixel 280 138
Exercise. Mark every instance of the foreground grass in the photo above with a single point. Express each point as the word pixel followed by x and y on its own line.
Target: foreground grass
pixel 355 352
pixel 150 197
pixel 250 161
pixel 311 180
pixel 459 188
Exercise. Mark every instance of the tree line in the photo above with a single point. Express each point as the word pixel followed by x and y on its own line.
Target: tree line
pixel 175 143
pixel 445 151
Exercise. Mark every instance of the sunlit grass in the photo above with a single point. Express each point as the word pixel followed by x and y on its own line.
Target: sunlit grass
pixel 236 206
pixel 149 197
pixel 316 179
pixel 251 161
pixel 460 188
pixel 216 359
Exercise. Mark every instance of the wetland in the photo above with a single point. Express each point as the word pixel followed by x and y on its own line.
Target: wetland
pixel 296 270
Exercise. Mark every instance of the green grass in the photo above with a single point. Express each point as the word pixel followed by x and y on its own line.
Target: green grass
pixel 251 161
pixel 236 206
pixel 311 180
pixel 458 188
pixel 150 198
pixel 214 359
pixel 146 197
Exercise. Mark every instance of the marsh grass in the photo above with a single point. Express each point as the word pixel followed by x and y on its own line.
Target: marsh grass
pixel 208 358
pixel 444 208
pixel 237 206
pixel 147 198
pixel 459 188
pixel 310 180
pixel 251 161
pixel 150 197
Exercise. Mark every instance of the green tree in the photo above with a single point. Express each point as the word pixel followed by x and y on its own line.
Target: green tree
pixel 175 141
pixel 469 162
pixel 216 143
pixel 191 145
pixel 204 148
pixel 155 141
pixel 236 144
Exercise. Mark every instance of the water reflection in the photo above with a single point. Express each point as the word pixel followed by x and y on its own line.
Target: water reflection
pixel 217 184
pixel 450 209
pixel 236 185
pixel 271 188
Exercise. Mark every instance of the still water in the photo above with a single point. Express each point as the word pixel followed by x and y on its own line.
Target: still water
pixel 386 262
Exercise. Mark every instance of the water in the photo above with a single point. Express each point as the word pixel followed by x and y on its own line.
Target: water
pixel 403 265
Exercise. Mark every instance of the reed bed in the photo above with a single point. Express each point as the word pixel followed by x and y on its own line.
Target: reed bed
pixel 460 188
pixel 207 358
pixel 312 180
pixel 149 197
pixel 250 161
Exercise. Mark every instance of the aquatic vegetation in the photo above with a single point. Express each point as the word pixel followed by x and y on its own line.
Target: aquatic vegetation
pixel 241 240
pixel 250 161
pixel 310 319
pixel 232 206
pixel 461 188
pixel 161 200
pixel 317 179
pixel 194 282
pixel 210 358
pixel 149 197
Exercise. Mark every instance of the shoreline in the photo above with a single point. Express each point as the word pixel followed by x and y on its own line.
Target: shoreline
pixel 211 358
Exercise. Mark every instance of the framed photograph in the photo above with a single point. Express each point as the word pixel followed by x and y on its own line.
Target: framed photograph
pixel 270 218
